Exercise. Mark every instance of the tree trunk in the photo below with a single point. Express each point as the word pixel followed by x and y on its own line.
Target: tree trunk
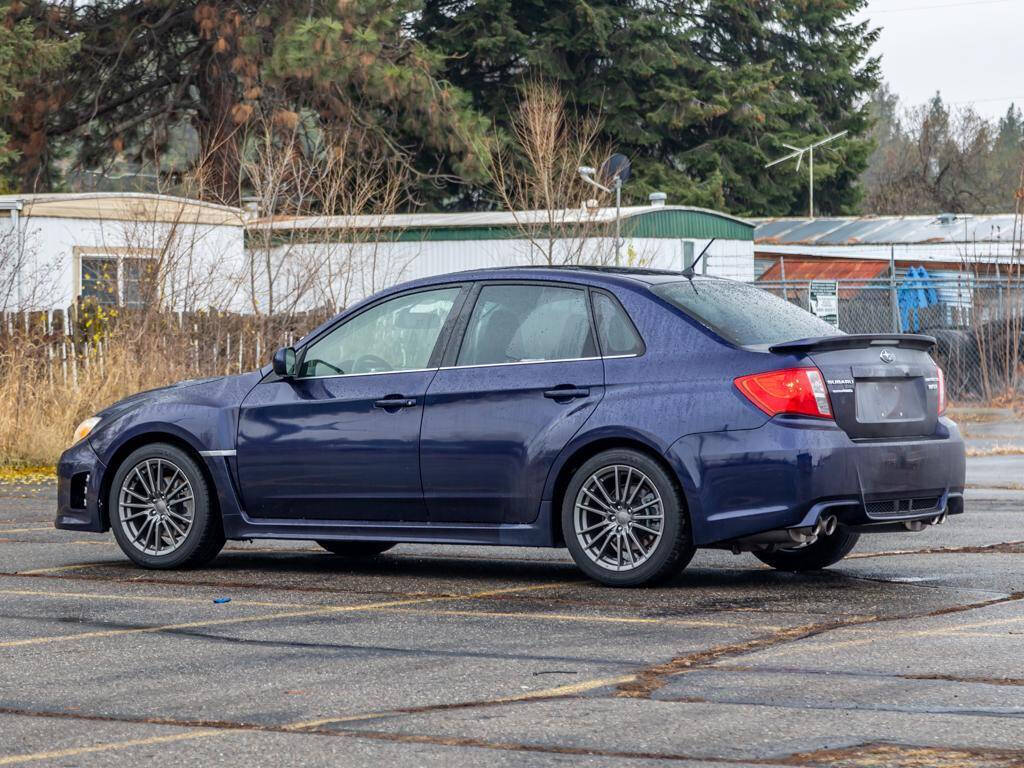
pixel 218 164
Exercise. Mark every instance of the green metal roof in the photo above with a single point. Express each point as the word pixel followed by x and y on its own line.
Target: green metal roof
pixel 668 222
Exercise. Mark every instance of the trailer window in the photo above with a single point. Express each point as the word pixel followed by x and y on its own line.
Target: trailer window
pixel 113 279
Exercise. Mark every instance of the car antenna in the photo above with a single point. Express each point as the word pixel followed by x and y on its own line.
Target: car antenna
pixel 688 271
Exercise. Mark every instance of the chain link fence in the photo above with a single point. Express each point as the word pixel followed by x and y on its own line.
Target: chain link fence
pixel 976 321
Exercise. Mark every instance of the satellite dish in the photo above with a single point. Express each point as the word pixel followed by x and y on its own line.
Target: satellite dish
pixel 616 165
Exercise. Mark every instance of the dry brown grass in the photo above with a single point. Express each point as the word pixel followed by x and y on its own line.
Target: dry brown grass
pixel 997 450
pixel 41 409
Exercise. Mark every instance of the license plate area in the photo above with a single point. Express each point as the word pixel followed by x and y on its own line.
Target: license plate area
pixel 890 400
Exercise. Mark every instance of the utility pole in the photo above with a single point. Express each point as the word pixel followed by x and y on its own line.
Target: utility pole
pixel 618 168
pixel 618 219
pixel 798 153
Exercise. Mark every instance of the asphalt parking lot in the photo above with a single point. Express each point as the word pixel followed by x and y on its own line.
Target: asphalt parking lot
pixel 909 653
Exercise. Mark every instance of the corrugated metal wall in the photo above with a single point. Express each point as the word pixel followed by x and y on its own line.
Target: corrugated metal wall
pixel 351 271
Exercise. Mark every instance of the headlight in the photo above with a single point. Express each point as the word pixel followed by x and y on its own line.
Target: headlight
pixel 85 428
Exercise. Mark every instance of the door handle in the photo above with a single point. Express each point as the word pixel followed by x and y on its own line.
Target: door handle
pixel 566 392
pixel 394 402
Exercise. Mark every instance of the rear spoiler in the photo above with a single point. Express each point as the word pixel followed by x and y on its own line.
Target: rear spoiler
pixel 855 340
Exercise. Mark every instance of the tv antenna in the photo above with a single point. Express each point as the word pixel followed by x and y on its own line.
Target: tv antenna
pixel 798 153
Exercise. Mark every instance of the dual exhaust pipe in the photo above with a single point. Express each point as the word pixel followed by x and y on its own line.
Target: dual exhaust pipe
pixel 788 537
pixel 919 525
pixel 804 536
pixel 825 526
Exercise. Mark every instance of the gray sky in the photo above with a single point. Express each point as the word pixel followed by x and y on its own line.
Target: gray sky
pixel 970 50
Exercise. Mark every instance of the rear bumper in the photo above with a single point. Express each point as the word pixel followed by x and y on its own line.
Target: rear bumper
pixel 79 473
pixel 790 472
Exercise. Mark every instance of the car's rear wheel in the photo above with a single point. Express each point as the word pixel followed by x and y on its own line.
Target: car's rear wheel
pixel 624 520
pixel 826 551
pixel 356 549
pixel 160 509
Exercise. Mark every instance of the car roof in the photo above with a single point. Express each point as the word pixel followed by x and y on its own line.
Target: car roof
pixel 591 275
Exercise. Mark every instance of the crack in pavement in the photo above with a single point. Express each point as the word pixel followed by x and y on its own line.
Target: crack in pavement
pixel 907 756
pixel 654 677
pixel 1006 547
pixel 840 707
pixel 229 726
pixel 833 673
pixel 865 754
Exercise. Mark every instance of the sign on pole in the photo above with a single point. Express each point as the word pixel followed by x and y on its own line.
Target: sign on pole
pixel 823 300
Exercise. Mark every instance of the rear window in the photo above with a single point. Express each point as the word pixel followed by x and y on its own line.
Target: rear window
pixel 741 313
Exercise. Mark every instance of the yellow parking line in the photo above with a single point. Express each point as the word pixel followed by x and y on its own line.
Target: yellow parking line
pixel 570 689
pixel 145 598
pixel 105 747
pixel 298 726
pixel 584 618
pixel 318 611
pixel 525 615
pixel 58 568
pixel 4 531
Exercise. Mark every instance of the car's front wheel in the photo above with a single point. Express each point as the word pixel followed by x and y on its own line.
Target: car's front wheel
pixel 624 520
pixel 356 549
pixel 160 510
pixel 825 551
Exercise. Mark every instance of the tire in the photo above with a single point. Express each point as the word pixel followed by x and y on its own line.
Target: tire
pixel 155 523
pixel 826 551
pixel 356 549
pixel 663 545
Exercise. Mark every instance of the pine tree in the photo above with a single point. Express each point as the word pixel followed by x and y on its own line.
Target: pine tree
pixel 149 67
pixel 24 57
pixel 699 94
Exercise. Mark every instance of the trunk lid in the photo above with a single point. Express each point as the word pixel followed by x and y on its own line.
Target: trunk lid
pixel 879 386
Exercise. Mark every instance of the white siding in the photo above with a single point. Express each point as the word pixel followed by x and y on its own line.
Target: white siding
pixel 346 272
pixel 205 264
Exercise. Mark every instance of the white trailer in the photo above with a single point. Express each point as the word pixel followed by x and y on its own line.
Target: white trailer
pixel 57 248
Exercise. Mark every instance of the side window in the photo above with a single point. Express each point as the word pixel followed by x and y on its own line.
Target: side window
pixel 397 335
pixel 523 323
pixel 614 328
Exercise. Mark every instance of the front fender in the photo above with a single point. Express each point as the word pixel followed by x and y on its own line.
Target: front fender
pixel 203 428
pixel 203 417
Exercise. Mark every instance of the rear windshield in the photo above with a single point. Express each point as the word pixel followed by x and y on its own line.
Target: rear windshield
pixel 741 313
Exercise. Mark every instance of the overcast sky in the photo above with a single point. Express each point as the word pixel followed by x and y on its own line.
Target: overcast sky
pixel 970 50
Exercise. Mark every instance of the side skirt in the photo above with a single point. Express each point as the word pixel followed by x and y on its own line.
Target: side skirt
pixel 535 534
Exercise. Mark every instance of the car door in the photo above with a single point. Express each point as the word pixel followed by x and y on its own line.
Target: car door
pixel 518 382
pixel 340 439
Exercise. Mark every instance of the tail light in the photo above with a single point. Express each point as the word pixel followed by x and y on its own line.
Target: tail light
pixel 798 391
pixel 942 390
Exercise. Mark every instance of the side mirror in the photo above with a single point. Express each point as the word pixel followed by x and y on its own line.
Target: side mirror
pixel 284 362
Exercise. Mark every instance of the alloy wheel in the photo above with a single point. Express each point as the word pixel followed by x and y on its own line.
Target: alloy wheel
pixel 619 517
pixel 156 506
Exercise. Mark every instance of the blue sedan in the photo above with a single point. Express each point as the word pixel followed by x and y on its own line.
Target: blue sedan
pixel 630 416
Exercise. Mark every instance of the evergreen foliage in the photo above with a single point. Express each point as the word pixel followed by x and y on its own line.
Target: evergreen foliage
pixel 24 58
pixel 699 94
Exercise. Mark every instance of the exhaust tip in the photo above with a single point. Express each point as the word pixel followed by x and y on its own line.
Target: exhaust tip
pixel 830 524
